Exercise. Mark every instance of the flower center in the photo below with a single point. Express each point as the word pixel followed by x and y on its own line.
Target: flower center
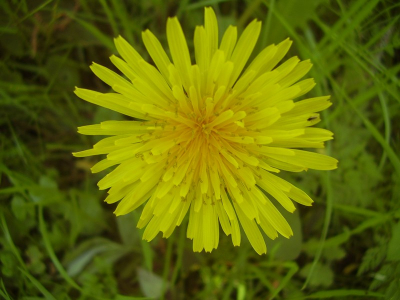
pixel 205 129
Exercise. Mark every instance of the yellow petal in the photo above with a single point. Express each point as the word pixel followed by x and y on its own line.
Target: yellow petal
pixel 297 73
pixel 244 47
pixel 274 217
pixel 228 42
pixel 281 50
pixel 109 77
pixel 252 231
pixel 223 218
pixel 123 67
pixel 156 52
pixel 179 49
pixel 202 51
pixel 211 26
pixel 309 160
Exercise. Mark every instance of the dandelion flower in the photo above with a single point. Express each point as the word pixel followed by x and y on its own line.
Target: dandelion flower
pixel 206 139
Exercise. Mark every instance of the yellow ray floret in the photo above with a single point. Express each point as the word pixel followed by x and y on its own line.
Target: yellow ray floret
pixel 206 137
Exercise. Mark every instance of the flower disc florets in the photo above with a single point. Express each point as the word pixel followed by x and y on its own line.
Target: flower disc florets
pixel 206 138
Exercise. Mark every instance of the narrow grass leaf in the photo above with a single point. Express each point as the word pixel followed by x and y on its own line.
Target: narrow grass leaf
pixel 339 294
pixel 50 250
pixel 101 37
pixel 8 238
pixel 38 285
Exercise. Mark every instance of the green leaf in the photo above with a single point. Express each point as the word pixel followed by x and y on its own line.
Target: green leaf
pixel 100 36
pixel 384 276
pixel 127 228
pixel 84 253
pixel 393 291
pixel 45 192
pixel 50 251
pixel 292 270
pixel 151 284
pixel 330 252
pixel 393 253
pixel 63 72
pixel 299 12
pixel 372 258
pixel 287 249
pixel 8 263
pixel 91 213
pixel 340 294
pixel 20 208
pixel 9 241
pixel 3 291
pixel 38 285
pixel 241 291
pixel 36 265
pixel 322 274
pixel 122 297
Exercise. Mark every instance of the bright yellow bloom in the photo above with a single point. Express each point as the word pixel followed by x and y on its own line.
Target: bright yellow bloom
pixel 206 138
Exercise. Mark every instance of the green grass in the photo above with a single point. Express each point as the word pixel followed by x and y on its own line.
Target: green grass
pixel 60 241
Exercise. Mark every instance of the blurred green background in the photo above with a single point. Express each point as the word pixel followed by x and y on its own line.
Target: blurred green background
pixel 59 240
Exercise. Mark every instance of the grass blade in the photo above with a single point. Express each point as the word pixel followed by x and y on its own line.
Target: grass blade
pixel 340 294
pixel 38 285
pixel 8 238
pixel 101 37
pixel 52 255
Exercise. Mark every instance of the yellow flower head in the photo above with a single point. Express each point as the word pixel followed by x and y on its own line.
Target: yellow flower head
pixel 206 138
